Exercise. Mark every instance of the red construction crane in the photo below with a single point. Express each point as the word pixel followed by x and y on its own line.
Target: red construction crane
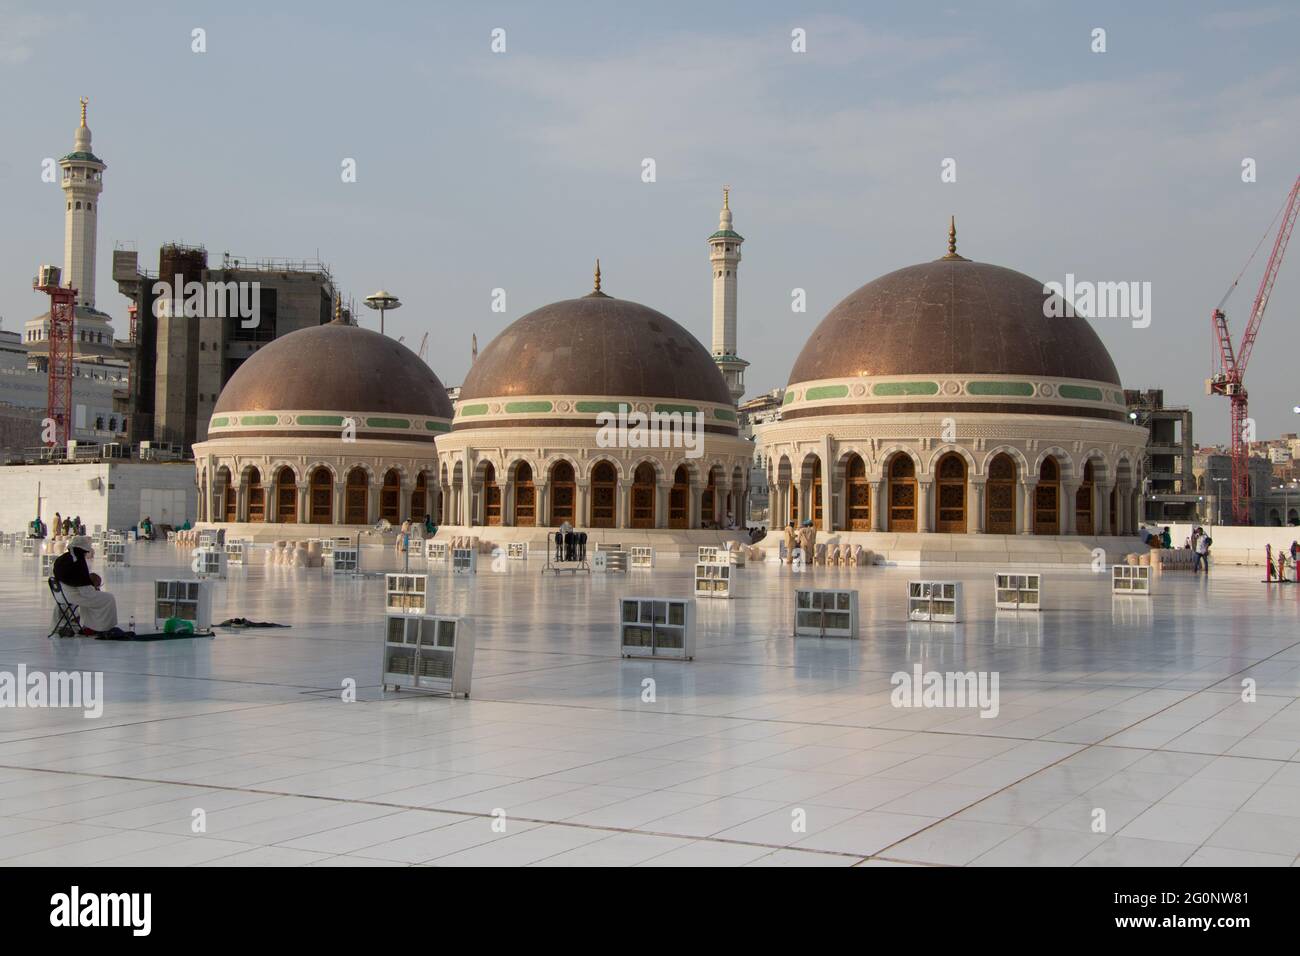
pixel 1230 365
pixel 63 302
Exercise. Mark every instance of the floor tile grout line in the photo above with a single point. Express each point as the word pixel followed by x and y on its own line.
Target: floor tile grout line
pixel 1087 747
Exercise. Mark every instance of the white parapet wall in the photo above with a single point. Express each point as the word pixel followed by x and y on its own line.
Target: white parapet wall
pixel 1237 545
pixel 104 494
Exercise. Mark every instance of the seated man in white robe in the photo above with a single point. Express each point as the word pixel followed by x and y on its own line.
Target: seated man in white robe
pixel 98 608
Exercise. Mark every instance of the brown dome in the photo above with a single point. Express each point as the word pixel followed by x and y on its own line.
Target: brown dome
pixel 335 367
pixel 951 316
pixel 596 345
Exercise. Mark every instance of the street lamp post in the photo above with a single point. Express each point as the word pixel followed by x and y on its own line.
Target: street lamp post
pixel 382 301
pixel 1218 500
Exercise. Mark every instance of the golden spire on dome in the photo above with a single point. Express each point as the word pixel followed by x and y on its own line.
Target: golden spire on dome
pixel 726 197
pixel 597 288
pixel 952 240
pixel 84 102
pixel 338 308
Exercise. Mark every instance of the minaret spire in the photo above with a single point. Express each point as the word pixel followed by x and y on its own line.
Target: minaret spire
pixel 724 256
pixel 82 184
pixel 597 286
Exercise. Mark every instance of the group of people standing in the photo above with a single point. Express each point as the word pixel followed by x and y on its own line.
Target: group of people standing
pixel 804 538
pixel 62 527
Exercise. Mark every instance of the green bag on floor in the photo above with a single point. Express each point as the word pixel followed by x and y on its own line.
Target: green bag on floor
pixel 175 625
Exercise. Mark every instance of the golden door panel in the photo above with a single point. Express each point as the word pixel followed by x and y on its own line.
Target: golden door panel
pixel 902 506
pixel 951 506
pixel 1046 510
pixel 602 506
pixel 562 499
pixel 1000 517
pixel 859 505
pixel 643 507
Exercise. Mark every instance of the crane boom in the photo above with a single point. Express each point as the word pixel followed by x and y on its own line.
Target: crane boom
pixel 1229 378
pixel 1270 276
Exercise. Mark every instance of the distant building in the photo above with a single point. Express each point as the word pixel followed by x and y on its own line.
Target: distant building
pixel 180 362
pixel 1170 494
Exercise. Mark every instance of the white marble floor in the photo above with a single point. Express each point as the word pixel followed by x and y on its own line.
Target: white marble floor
pixel 1129 706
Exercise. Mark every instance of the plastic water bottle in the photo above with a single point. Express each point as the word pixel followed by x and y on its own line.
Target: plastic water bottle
pixel 131 626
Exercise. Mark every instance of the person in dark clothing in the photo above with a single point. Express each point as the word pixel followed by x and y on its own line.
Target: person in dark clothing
pixel 429 528
pixel 81 586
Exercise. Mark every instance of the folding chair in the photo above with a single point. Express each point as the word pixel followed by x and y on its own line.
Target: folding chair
pixel 69 622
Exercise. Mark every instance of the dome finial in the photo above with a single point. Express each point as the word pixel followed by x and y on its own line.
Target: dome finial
pixel 952 240
pixel 597 288
pixel 84 102
pixel 726 197
pixel 338 308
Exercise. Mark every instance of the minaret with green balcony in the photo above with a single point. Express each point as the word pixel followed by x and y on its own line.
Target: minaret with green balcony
pixel 724 256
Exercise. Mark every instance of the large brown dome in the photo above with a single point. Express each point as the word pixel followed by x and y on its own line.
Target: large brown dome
pixel 596 345
pixel 335 367
pixel 951 316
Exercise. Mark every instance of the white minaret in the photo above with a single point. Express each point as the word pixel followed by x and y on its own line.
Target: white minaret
pixel 724 256
pixel 83 181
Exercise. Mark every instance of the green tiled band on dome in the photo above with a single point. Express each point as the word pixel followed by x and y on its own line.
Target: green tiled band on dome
pixel 598 406
pixel 667 409
pixel 318 420
pixel 437 426
pixel 906 388
pixel 789 397
pixel 219 423
pixel 259 419
pixel 1000 388
pixel 826 391
pixel 466 410
pixel 387 423
pixel 725 414
pixel 1081 392
pixel 516 408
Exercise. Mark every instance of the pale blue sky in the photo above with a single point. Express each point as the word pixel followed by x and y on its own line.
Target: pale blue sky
pixel 479 170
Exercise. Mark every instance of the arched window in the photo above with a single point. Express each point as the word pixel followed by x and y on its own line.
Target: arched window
pixel 563 494
pixel 902 493
pixel 1047 498
pixel 1000 496
pixel 286 496
pixel 643 496
pixel 950 495
pixel 229 499
pixel 356 509
pixel 420 498
pixel 390 497
pixel 491 495
pixel 859 494
pixel 707 497
pixel 604 495
pixel 525 496
pixel 322 496
pixel 256 495
pixel 679 499
pixel 1083 523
